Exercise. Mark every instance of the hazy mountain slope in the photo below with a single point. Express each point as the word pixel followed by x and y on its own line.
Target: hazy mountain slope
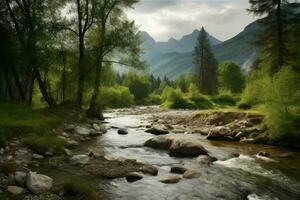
pixel 239 49
pixel 185 44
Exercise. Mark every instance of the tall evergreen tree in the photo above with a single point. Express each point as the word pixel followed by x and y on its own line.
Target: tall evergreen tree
pixel 206 65
pixel 275 36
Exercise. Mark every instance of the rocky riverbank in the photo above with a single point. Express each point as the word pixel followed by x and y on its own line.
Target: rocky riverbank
pixel 22 168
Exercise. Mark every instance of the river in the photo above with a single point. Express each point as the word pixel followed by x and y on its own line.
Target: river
pixel 245 177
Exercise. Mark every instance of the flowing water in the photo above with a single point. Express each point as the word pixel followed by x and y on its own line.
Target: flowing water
pixel 245 177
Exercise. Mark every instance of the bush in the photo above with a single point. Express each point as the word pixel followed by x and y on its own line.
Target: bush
pixel 174 98
pixel 115 97
pixel 78 189
pixel 281 95
pixel 44 143
pixel 153 99
pixel 225 98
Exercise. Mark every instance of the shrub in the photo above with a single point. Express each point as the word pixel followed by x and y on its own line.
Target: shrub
pixel 115 97
pixel 153 99
pixel 225 98
pixel 78 189
pixel 280 96
pixel 174 98
pixel 43 143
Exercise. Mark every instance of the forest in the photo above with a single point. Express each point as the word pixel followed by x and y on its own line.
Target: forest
pixel 69 62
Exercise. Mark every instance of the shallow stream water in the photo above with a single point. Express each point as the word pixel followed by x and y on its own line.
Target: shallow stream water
pixel 245 177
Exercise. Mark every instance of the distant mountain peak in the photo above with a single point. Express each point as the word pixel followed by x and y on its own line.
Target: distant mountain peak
pixel 172 40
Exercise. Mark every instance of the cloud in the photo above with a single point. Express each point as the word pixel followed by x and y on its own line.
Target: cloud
pixel 166 19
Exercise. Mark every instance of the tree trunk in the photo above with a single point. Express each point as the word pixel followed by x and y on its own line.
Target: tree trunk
pixel 18 83
pixel 63 78
pixel 279 37
pixel 43 88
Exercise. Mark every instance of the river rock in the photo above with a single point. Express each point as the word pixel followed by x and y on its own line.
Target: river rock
pixel 157 130
pixel 263 153
pixel 72 143
pixel 94 133
pixel 159 142
pixel 69 127
pixel 81 159
pixel 38 183
pixel 96 127
pixel 20 177
pixel 248 140
pixel 149 169
pixel 68 152
pixel 205 159
pixel 122 131
pixel 133 176
pixel 241 134
pixel 15 190
pixel 82 131
pixel 187 148
pixel 37 156
pixel 203 131
pixel 219 133
pixel 178 169
pixel 189 174
pixel 170 179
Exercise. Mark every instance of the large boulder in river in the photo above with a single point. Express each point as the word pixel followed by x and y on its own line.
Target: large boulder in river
pixel 220 133
pixel 38 183
pixel 187 148
pixel 159 142
pixel 157 129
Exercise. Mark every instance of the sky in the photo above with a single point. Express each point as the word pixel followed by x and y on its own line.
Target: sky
pixel 164 19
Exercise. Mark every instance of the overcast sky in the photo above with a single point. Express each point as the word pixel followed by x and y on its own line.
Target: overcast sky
pixel 164 19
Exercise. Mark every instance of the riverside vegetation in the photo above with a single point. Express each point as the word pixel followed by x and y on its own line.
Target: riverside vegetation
pixel 58 78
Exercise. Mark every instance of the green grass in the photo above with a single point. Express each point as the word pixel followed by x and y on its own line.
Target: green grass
pixel 78 189
pixel 45 142
pixel 20 120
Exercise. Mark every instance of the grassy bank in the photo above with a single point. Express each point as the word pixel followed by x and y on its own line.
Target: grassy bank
pixel 22 120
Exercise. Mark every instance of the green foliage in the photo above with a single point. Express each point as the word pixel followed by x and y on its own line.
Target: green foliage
pixel 201 101
pixel 153 99
pixel 175 98
pixel 281 95
pixel 8 168
pixel 16 120
pixel 74 188
pixel 183 82
pixel 225 98
pixel 44 143
pixel 231 77
pixel 139 86
pixel 115 97
pixel 206 65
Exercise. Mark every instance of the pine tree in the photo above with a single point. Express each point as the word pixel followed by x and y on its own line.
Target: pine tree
pixel 274 38
pixel 206 65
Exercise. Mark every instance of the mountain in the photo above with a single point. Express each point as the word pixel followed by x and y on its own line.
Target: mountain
pixel 175 57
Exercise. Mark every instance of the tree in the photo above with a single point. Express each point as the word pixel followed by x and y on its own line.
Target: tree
pixel 115 35
pixel 274 39
pixel 31 22
pixel 139 86
pixel 231 77
pixel 206 64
